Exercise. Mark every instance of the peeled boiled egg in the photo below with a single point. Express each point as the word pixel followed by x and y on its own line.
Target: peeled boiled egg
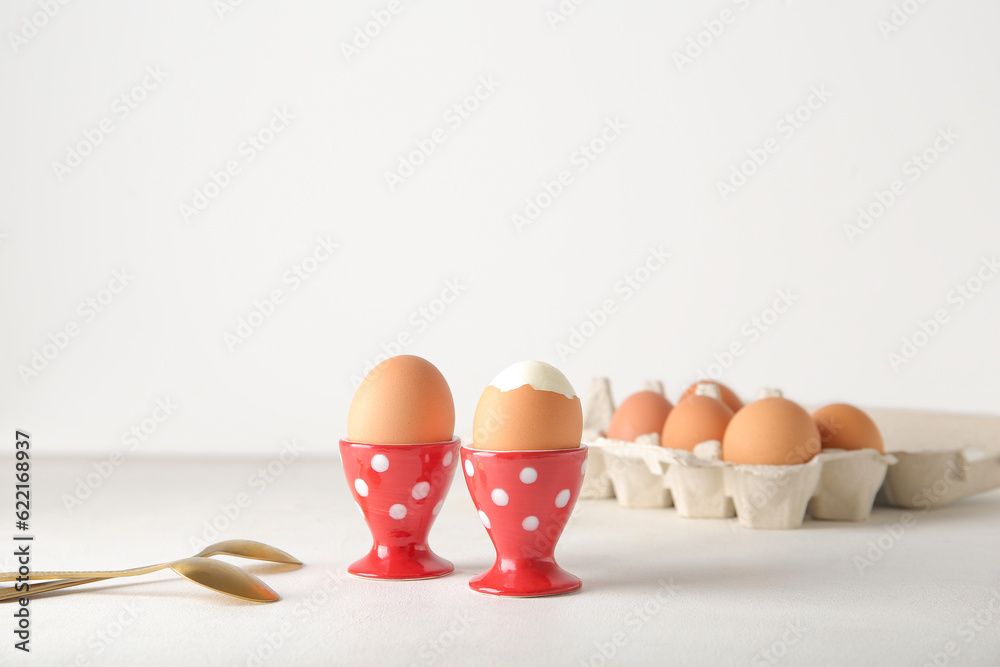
pixel 528 406
pixel 771 431
pixel 641 413
pixel 843 426
pixel 697 419
pixel 729 397
pixel 404 400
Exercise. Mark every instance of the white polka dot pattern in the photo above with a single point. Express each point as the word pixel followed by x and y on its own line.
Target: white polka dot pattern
pixel 361 487
pixel 530 523
pixel 500 497
pixel 380 463
pixel 420 490
pixel 528 475
pixel 397 511
pixel 563 498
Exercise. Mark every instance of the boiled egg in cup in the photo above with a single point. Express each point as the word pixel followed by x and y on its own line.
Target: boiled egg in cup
pixel 399 459
pixel 524 470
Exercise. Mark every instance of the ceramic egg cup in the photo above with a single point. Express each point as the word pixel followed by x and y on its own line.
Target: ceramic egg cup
pixel 524 499
pixel 400 490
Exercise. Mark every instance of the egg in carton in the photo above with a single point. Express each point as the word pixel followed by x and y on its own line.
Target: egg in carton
pixel 834 484
pixel 632 470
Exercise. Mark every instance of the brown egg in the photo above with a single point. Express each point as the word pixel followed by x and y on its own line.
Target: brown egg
pixel 695 420
pixel 529 406
pixel 771 431
pixel 843 426
pixel 641 413
pixel 729 397
pixel 404 400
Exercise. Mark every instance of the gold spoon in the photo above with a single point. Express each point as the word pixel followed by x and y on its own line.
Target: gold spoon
pixel 213 574
pixel 240 548
pixel 216 575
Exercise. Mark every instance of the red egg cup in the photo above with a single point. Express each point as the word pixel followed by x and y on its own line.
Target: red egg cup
pixel 400 490
pixel 524 499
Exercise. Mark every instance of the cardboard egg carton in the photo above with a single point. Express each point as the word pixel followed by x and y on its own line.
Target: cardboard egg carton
pixel 942 457
pixel 835 485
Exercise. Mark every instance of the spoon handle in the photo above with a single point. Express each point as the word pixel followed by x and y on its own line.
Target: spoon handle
pixel 135 571
pixel 10 593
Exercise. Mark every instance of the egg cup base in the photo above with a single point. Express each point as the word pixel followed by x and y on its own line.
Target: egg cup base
pixel 525 578
pixel 401 563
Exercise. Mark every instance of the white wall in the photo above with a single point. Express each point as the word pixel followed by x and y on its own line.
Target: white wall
pixel 656 185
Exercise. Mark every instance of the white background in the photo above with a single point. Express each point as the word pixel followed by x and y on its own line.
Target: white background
pixel 687 127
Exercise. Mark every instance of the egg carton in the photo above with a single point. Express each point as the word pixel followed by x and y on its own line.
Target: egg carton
pixel 929 476
pixel 835 485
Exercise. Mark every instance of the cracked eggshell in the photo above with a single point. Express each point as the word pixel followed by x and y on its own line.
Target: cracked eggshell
pixel 529 406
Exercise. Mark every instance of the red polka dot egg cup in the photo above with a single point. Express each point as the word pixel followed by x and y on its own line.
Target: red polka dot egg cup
pixel 524 500
pixel 400 490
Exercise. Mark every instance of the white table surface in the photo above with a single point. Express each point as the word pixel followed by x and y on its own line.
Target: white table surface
pixel 728 596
